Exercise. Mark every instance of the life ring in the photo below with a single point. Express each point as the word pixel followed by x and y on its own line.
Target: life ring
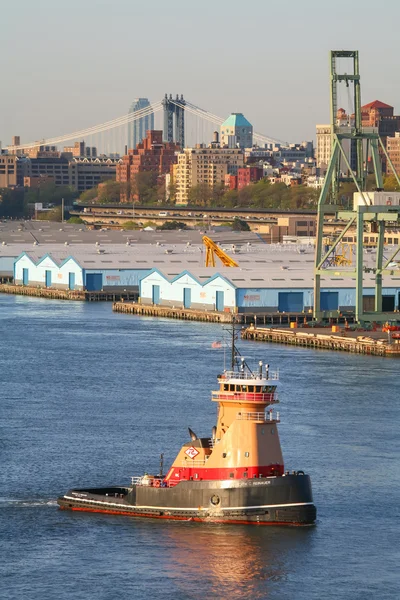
pixel 215 500
pixel 156 483
pixel 388 202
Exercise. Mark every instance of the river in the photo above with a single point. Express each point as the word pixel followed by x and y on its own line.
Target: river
pixel 88 397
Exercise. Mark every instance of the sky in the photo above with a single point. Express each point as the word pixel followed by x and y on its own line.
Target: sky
pixel 67 65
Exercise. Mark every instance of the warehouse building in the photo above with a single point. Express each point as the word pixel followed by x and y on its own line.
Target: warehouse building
pixel 256 291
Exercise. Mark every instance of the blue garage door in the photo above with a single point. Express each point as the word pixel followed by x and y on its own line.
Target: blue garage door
pixel 219 301
pixel 71 281
pixel 155 294
pixel 329 300
pixel 187 297
pixel 94 282
pixel 290 302
pixel 48 278
pixel 25 276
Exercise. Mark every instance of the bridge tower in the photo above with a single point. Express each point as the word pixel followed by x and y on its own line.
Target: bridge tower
pixel 365 143
pixel 174 119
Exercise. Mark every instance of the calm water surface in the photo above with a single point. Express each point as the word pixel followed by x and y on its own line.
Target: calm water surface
pixel 91 397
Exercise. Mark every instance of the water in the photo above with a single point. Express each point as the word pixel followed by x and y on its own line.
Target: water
pixel 92 397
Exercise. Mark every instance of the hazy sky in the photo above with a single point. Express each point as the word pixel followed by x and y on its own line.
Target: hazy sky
pixel 66 65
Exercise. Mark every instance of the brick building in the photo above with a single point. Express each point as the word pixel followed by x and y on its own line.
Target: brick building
pixel 244 177
pixel 151 155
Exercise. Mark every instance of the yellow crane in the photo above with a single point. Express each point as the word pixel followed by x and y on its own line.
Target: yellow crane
pixel 213 250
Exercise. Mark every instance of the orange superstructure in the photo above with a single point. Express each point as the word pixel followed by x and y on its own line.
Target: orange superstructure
pixel 245 442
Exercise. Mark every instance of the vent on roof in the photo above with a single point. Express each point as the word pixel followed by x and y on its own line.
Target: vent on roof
pixel 340 279
pixel 297 279
pixel 234 279
pixel 106 261
pixel 101 251
pixel 277 279
pixel 255 279
pixel 88 261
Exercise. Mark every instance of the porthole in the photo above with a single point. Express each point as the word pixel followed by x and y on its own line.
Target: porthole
pixel 215 500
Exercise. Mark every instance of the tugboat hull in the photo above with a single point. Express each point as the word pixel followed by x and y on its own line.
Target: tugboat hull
pixel 283 500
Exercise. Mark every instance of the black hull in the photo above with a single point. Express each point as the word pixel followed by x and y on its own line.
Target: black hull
pixel 285 500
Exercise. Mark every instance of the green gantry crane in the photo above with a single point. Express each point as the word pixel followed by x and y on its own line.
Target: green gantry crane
pixel 365 143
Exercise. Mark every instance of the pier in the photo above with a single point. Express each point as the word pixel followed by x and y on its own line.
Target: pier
pixel 373 343
pixel 56 294
pixel 171 312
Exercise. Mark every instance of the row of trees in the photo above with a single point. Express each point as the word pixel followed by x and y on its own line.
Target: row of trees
pixel 147 189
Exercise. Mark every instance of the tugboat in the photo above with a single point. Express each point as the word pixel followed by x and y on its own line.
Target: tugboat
pixel 235 476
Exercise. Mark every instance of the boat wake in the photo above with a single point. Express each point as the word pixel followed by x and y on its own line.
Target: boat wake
pixel 17 502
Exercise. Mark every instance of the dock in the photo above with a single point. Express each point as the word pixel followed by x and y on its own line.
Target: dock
pixel 374 343
pixel 56 294
pixel 187 314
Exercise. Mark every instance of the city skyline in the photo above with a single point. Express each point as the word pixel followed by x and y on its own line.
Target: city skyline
pixel 276 75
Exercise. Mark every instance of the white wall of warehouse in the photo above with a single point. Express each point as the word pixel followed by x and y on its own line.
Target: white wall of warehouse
pixel 171 292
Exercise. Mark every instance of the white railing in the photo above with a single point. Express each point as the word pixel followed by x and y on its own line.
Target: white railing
pixel 258 416
pixel 274 375
pixel 246 396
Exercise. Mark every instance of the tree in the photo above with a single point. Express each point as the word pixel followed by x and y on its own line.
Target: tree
pixel 390 184
pixel 48 192
pixel 199 195
pixel 75 220
pixel 88 196
pixel 130 225
pixel 51 215
pixel 169 225
pixel 144 187
pixel 12 203
pixel 240 225
pixel 108 191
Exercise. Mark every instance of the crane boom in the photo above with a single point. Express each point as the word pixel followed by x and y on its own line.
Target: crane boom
pixel 213 250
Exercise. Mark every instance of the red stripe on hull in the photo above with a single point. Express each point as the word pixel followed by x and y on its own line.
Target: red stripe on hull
pixel 177 518
pixel 177 474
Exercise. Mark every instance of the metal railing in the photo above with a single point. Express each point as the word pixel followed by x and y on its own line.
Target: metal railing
pixel 274 375
pixel 246 396
pixel 258 416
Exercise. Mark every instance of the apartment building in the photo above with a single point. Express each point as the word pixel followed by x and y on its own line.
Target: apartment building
pixel 202 165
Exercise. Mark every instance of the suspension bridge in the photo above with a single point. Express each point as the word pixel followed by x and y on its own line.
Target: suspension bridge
pixel 181 121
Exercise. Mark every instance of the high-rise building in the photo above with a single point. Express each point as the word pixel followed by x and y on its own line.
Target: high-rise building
pixel 152 155
pixel 137 129
pixel 237 131
pixel 393 150
pixel 204 166
pixel 323 152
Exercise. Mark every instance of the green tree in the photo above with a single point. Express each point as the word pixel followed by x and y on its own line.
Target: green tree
pixel 130 225
pixel 88 196
pixel 109 191
pixel 240 225
pixel 169 225
pixel 12 203
pixel 145 188
pixel 75 220
pixel 50 215
pixel 390 184
pixel 199 195
pixel 49 193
